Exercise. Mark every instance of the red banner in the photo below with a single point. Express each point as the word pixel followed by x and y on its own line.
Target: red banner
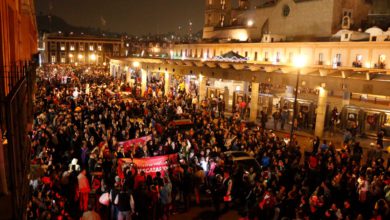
pixel 134 142
pixel 149 165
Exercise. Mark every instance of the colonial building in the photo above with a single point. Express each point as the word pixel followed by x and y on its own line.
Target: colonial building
pixel 18 44
pixel 80 49
pixel 347 75
pixel 156 48
pixel 291 20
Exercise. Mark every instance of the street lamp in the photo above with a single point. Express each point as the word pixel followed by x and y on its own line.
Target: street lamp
pixel 299 62
pixel 249 23
pixel 136 64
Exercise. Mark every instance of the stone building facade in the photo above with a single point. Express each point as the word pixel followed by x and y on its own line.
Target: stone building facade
pixel 18 45
pixel 296 19
pixel 82 49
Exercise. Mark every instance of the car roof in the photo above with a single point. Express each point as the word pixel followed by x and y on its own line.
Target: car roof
pixel 237 154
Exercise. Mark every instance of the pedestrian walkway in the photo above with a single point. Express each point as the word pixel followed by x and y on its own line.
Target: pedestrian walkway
pixel 337 138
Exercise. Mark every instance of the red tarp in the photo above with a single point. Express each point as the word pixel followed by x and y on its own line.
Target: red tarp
pixel 149 165
pixel 127 144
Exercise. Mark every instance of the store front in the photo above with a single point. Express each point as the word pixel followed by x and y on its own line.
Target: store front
pixel 367 120
pixel 306 113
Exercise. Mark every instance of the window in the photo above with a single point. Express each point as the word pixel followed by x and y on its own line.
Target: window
pixel 320 59
pixel 91 47
pixel 337 60
pixel 71 47
pixel 246 53
pixel 338 57
pixel 346 36
pixel 286 10
pixel 255 58
pixel 222 20
pixel 53 46
pixel 210 2
pixel 53 58
pixel 81 47
pixel 208 19
pixel 381 62
pixel 99 47
pixel 63 60
pixel 62 47
pixel 277 57
pixel 358 61
pixel 223 2
pixel 266 56
pixel 382 58
pixel 347 12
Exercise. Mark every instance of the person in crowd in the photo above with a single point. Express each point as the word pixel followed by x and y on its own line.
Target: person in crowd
pixel 90 214
pixel 276 116
pixel 83 190
pixel 87 130
pixel 125 203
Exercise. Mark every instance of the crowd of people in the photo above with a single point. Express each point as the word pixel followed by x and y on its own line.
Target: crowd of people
pixel 79 123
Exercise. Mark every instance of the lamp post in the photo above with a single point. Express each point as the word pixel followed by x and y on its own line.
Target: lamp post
pixel 298 62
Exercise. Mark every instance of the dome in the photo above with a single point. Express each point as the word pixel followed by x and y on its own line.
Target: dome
pixel 374 31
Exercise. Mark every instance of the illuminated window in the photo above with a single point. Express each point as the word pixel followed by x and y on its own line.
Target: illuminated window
pixel 91 47
pixel 222 20
pixel 381 62
pixel 62 47
pixel 53 59
pixel 255 56
pixel 63 60
pixel 210 2
pixel 223 2
pixel 72 48
pixel 359 58
pixel 382 58
pixel 81 47
pixel 99 47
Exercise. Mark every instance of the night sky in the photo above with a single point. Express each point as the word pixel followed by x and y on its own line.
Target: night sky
pixel 131 16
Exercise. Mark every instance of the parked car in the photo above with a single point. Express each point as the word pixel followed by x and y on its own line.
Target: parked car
pixel 243 159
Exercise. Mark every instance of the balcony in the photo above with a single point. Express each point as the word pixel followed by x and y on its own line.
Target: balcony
pixel 357 64
pixel 380 66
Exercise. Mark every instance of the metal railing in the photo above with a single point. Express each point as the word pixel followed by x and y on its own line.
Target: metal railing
pixel 16 104
pixel 11 75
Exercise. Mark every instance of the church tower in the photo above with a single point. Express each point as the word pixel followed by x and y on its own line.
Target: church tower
pixel 217 13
